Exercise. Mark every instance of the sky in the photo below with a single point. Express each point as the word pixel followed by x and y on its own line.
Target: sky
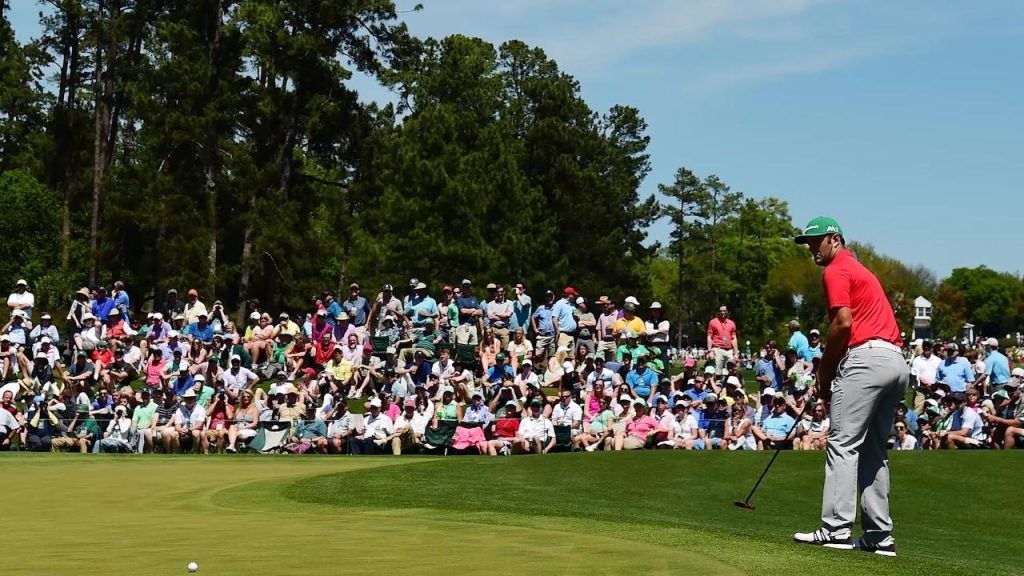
pixel 903 120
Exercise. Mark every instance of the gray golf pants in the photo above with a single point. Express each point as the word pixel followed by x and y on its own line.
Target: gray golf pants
pixel 870 382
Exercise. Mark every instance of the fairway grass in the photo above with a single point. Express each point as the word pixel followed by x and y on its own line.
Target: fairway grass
pixel 620 513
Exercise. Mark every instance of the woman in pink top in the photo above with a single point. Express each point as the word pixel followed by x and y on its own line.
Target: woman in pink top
pixel 155 369
pixel 638 428
pixel 592 402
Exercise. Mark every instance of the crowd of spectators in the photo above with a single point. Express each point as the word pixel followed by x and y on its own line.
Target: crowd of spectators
pixel 494 375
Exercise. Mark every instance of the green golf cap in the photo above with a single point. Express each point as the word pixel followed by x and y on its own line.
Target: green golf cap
pixel 819 226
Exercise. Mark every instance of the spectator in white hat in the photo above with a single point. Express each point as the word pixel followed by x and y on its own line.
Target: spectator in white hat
pixel 21 299
pixel 45 328
pixel 656 327
pixel 997 369
pixel 374 431
pixel 189 422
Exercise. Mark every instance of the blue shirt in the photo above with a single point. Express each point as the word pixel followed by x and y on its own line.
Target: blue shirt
pixel 545 325
pixel 418 306
pixel 201 334
pixel 778 425
pixel 997 367
pixel 799 343
pixel 955 374
pixel 494 374
pixel 520 314
pixel 698 396
pixel 333 310
pixel 642 383
pixel 122 304
pixel 467 302
pixel 101 308
pixel 357 310
pixel 181 385
pixel 767 367
pixel 566 321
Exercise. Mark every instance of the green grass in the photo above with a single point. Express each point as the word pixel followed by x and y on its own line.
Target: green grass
pixel 618 513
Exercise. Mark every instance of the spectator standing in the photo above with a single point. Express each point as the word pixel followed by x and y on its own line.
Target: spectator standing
pixel 606 334
pixel 499 316
pixel 421 307
pixel 723 345
pixel 997 369
pixel 656 329
pixel 815 343
pixel 469 315
pixel 565 317
pixel 194 308
pixel 924 369
pixel 545 326
pixel 768 370
pixel 799 342
pixel 21 299
pixel 586 324
pixel 101 305
pixel 955 372
pixel 121 300
pixel 522 309
pixel 355 306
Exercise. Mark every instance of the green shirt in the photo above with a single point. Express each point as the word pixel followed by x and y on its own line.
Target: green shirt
pixel 204 396
pixel 635 352
pixel 311 430
pixel 143 415
pixel 87 426
pixel 426 342
pixel 601 422
pixel 446 411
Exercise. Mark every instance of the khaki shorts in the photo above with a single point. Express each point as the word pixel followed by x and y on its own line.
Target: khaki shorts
pixel 632 443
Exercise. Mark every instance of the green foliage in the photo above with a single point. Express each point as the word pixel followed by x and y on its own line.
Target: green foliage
pixel 28 226
pixel 990 300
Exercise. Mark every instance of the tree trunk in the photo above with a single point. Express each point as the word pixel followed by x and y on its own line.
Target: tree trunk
pixel 99 142
pixel 211 152
pixel 244 280
pixel 65 116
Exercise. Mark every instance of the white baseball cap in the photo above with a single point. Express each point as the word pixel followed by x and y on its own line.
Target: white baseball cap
pixel 375 403
pixel 992 342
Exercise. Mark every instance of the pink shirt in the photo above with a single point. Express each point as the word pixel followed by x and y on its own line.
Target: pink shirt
pixel 154 371
pixel 721 333
pixel 641 427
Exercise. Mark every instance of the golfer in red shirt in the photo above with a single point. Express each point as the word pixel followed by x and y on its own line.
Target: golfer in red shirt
pixel 864 372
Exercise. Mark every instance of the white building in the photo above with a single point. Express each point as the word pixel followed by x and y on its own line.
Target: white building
pixel 922 319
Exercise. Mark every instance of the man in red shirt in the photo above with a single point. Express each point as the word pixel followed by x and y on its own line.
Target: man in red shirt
pixel 722 343
pixel 864 373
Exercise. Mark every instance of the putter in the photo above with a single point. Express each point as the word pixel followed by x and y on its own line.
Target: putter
pixel 745 504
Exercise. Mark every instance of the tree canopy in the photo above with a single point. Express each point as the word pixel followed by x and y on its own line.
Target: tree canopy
pixel 223 145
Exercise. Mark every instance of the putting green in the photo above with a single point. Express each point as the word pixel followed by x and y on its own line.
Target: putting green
pixel 638 513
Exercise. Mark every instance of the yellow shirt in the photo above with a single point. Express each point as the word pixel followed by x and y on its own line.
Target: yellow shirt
pixel 636 325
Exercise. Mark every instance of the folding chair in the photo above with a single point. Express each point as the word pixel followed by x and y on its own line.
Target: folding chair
pixel 380 345
pixel 271 437
pixel 563 439
pixel 439 440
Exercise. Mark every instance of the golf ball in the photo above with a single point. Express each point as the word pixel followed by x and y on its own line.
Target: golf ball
pixel 192 566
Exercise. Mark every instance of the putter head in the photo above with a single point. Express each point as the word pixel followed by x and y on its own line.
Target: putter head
pixel 744 505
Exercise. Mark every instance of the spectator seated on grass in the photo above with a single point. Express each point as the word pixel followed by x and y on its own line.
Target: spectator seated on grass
pixel 965 430
pixel 1007 423
pixel 776 431
pixel 536 433
pixel 373 434
pixel 81 432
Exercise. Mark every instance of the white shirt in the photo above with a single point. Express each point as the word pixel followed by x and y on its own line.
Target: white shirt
pixel 377 427
pixel 972 422
pixel 340 426
pixel 531 378
pixel 532 428
pixel 657 333
pixel 925 368
pixel 418 422
pixel 605 375
pixel 443 373
pixel 120 428
pixel 236 382
pixel 25 299
pixel 909 443
pixel 566 415
pixel 187 419
pixel 685 429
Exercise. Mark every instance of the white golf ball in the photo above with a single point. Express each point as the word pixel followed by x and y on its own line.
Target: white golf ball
pixel 192 566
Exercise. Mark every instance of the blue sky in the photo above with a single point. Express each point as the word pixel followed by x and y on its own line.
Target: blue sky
pixel 904 120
